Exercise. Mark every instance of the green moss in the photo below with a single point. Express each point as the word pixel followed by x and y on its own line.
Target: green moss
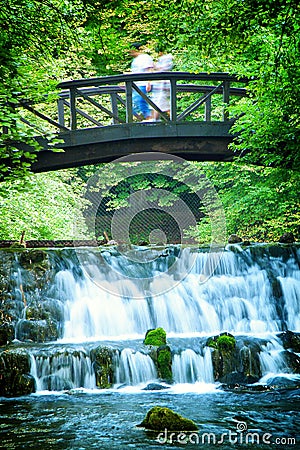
pixel 224 342
pixel 164 363
pixel 160 419
pixel 102 358
pixel 156 337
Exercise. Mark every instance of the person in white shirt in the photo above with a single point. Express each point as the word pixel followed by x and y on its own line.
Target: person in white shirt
pixel 141 63
pixel 161 89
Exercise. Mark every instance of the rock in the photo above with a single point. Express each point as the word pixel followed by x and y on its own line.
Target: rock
pixel 235 360
pixel 238 378
pixel 155 387
pixel 7 333
pixel 37 330
pixel 249 362
pixel 15 379
pixel 224 355
pixel 29 258
pixel 160 419
pixel 292 361
pixel 246 243
pixel 102 358
pixel 287 238
pixel 234 239
pixel 156 337
pixel 290 340
pixel 223 342
pixel 164 363
pixel 244 388
pixel 283 383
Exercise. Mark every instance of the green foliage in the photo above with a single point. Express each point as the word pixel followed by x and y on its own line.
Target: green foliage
pixel 45 206
pixel 155 337
pixel 42 44
pixel 260 203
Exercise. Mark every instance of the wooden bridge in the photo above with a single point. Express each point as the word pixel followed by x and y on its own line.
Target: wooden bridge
pixel 95 121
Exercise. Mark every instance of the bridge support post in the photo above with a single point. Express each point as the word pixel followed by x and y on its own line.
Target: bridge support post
pixel 129 114
pixel 173 104
pixel 226 89
pixel 61 111
pixel 73 124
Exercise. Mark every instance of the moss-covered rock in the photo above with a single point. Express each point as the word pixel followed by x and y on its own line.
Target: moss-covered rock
pixel 102 358
pixel 156 337
pixel 224 342
pixel 160 353
pixel 164 363
pixel 161 418
pixel 224 355
pixel 15 379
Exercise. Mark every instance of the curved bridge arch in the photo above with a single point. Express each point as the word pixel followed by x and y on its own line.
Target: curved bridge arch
pixel 96 121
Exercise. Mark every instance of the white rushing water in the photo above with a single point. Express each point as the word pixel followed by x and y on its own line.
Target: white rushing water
pixel 63 371
pixel 245 295
pixel 191 367
pixel 237 298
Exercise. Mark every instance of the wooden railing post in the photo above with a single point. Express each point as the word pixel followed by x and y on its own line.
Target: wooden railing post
pixel 207 110
pixel 73 118
pixel 61 111
pixel 226 87
pixel 173 102
pixel 129 114
pixel 114 107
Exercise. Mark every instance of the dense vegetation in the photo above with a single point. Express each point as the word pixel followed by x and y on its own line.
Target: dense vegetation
pixel 42 43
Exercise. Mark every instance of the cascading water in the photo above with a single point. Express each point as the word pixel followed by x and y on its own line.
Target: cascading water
pixel 251 292
pixel 191 367
pixel 238 297
pixel 63 371
pixel 134 368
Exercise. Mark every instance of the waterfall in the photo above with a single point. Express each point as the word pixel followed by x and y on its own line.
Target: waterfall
pixel 291 293
pixel 253 292
pixel 62 371
pixel 190 367
pixel 238 297
pixel 133 368
pixel 271 359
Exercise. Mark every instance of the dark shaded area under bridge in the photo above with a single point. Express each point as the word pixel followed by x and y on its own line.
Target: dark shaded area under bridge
pixel 96 121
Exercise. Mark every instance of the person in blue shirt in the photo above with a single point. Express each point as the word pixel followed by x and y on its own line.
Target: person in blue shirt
pixel 141 63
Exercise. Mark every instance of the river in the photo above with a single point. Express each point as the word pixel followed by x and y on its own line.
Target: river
pixel 252 293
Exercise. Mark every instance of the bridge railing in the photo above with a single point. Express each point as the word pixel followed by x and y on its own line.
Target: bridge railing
pixel 108 100
pixel 103 101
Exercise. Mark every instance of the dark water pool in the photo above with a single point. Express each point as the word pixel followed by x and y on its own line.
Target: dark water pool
pixel 107 420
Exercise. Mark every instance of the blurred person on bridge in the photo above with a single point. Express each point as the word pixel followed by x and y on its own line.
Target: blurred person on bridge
pixel 142 63
pixel 160 93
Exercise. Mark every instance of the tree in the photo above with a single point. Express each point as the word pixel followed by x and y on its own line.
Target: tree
pixel 34 36
pixel 260 40
pixel 43 43
pixel 44 206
